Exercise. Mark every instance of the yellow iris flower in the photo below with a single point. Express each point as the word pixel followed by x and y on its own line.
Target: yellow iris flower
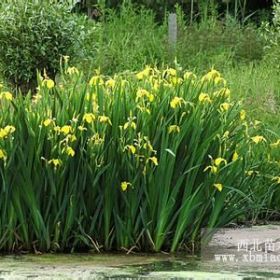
pixel 56 162
pixel 219 186
pixel 125 185
pixel 258 139
pixel 66 129
pixel 89 117
pixel 204 98
pixel 176 102
pixel 104 119
pixel 173 129
pixel 69 151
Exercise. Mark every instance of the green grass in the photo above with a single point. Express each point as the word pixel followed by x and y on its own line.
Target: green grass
pixel 259 87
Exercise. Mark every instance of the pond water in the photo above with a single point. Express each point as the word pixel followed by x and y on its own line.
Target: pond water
pixel 152 266
pixel 86 267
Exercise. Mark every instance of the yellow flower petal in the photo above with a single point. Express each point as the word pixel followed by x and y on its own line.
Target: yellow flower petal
pixel 258 138
pixel 204 98
pixel 72 70
pixel 213 169
pixel 219 187
pixel 125 185
pixel 129 124
pixel 6 95
pixel 70 151
pixel 66 129
pixel 110 83
pixel 220 80
pixel 189 75
pixel 170 72
pixel 242 115
pixel 173 129
pixel 6 131
pixel 154 160
pixel 131 148
pixel 143 74
pixel 235 156
pixel 2 154
pixel 176 102
pixel 56 162
pixel 89 117
pixel 224 106
pixel 276 179
pixel 219 161
pixel 49 83
pixel 226 134
pixel 142 93
pixel 276 144
pixel 9 129
pixel 47 122
pixel 82 128
pixel 96 80
pixel 104 119
pixel 211 76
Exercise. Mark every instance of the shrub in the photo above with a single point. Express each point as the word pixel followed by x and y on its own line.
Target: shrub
pixel 34 35
pixel 136 161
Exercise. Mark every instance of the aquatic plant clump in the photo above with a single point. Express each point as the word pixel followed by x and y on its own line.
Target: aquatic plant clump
pixel 138 161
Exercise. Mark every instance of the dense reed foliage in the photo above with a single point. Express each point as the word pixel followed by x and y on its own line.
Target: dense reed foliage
pixel 140 161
